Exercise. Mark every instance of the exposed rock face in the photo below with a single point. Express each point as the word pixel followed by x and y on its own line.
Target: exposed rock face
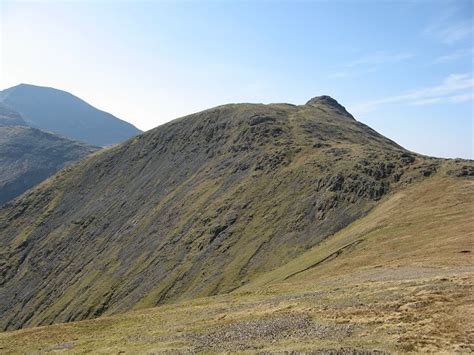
pixel 195 207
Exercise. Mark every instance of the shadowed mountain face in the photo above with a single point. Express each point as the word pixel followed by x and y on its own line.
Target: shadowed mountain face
pixel 62 113
pixel 9 117
pixel 28 156
pixel 196 207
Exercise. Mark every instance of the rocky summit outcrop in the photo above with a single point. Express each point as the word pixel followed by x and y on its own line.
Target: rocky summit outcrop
pixel 198 206
pixel 325 103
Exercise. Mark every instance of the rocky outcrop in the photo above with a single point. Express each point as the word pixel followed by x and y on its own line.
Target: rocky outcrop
pixel 326 103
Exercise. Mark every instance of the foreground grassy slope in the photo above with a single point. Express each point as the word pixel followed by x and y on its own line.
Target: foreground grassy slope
pixel 196 207
pixel 400 279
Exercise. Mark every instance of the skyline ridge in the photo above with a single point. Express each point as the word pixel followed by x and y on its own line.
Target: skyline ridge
pixel 173 59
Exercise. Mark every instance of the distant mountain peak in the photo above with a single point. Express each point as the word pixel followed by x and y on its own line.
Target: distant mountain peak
pixel 328 101
pixel 63 113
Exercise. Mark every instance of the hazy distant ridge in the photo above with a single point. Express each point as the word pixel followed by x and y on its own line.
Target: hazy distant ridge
pixel 60 112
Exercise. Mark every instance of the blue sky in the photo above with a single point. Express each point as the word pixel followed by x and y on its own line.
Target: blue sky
pixel 403 67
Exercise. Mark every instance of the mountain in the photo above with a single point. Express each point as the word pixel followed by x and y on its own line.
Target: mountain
pixel 29 155
pixel 200 206
pixel 398 280
pixel 65 114
pixel 9 117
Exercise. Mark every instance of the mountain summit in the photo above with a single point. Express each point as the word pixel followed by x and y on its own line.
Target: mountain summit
pixel 325 101
pixel 60 112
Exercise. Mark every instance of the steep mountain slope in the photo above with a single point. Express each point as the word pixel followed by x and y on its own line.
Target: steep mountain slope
pixel 9 117
pixel 397 280
pixel 196 207
pixel 29 155
pixel 65 114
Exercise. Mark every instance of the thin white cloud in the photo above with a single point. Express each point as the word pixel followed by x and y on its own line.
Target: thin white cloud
pixel 445 99
pixel 430 101
pixel 463 97
pixel 369 63
pixel 450 33
pixel 340 74
pixel 380 58
pixel 454 89
pixel 458 54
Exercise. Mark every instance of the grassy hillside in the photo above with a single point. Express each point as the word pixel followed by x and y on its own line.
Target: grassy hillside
pixel 399 279
pixel 196 207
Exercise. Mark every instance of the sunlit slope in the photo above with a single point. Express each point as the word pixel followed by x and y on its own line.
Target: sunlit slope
pixel 429 224
pixel 399 279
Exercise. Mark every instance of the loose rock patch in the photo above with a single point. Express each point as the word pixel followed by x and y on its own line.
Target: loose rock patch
pixel 252 334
